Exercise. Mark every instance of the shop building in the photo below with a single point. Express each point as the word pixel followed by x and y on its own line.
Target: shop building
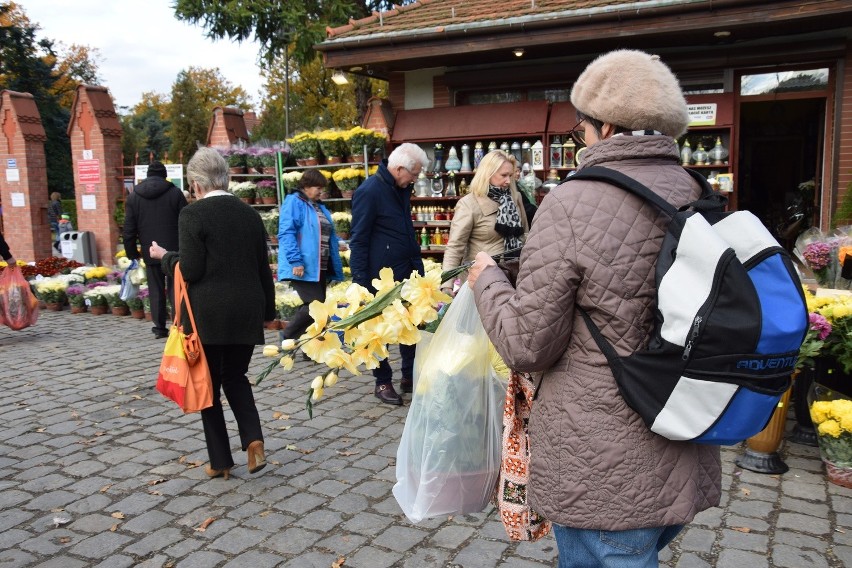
pixel 770 82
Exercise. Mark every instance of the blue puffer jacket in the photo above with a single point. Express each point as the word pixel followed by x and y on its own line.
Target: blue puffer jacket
pixel 299 241
pixel 382 231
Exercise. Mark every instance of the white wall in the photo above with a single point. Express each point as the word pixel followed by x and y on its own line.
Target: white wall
pixel 418 88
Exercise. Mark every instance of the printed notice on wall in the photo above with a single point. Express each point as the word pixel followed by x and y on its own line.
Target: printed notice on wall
pixel 702 114
pixel 13 175
pixel 18 199
pixel 89 202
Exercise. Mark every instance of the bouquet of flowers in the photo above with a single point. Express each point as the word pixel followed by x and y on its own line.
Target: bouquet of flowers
pixel 831 413
pixel 830 328
pixel 825 254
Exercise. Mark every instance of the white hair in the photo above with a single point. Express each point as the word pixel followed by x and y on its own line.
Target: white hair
pixel 407 155
pixel 208 169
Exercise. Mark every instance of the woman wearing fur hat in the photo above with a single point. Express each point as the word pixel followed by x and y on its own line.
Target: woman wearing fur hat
pixel 616 492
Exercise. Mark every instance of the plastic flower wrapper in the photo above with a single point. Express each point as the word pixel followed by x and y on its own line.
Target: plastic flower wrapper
pixel 831 413
pixel 353 327
pixel 836 308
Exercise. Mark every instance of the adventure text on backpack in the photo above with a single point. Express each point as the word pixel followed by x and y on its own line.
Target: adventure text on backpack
pixel 729 320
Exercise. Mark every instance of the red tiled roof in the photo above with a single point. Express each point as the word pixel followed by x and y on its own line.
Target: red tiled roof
pixel 29 119
pixel 438 16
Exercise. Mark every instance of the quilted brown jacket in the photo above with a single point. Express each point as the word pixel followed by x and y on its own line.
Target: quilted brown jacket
pixel 595 465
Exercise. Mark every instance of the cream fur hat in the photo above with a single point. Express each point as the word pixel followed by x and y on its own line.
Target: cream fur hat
pixel 632 89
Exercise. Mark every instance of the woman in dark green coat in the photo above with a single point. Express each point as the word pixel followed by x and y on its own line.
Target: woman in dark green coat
pixel 224 260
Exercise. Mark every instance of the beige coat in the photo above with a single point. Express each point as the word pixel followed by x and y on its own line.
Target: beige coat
pixel 472 229
pixel 595 465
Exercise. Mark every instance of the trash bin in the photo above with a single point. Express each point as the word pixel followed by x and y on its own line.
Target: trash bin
pixel 79 246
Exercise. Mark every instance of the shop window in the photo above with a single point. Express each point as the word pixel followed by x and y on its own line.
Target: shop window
pixel 784 82
pixel 551 95
pixel 487 98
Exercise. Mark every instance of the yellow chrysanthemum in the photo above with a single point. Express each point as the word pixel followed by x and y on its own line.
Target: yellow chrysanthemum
pixel 846 422
pixel 385 282
pixel 840 408
pixel 829 428
pixel 820 411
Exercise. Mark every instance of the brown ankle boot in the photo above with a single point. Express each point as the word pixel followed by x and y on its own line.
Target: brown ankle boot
pixel 256 457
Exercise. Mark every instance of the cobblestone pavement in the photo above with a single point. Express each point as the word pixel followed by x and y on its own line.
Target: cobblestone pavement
pixel 97 469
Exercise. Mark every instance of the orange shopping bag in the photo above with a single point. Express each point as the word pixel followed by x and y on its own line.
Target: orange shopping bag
pixel 184 376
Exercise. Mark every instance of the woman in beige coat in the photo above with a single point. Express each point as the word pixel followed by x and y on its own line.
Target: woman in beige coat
pixel 490 218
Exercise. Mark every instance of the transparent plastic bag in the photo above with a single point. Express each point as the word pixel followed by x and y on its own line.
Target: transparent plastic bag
pixel 449 455
pixel 18 304
pixel 129 286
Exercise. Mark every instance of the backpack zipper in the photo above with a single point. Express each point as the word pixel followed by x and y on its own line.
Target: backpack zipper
pixel 696 327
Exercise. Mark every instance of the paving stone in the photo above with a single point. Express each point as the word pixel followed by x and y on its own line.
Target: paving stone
pixel 16 559
pixel 311 560
pixel 422 557
pixel 342 543
pixel 292 541
pixel 737 522
pixel 301 503
pixel 121 561
pixel 147 522
pixel 237 540
pixel 259 560
pixel 100 545
pixel 785 556
pixel 400 539
pixel 89 504
pixel 367 523
pixel 741 558
pixel 371 557
pixel 803 523
pixel 744 541
pixel 201 559
pixel 479 553
pixel 156 541
pixel 697 539
pixel 691 561
pixel 452 537
pixel 11 537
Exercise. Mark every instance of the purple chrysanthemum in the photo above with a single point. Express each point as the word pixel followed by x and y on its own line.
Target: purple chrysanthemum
pixel 817 255
pixel 820 325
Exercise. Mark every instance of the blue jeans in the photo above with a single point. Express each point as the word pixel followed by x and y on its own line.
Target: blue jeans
pixel 592 548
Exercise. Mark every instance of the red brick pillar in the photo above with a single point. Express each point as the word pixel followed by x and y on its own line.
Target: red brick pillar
pixel 227 127
pixel 23 177
pixel 380 117
pixel 95 134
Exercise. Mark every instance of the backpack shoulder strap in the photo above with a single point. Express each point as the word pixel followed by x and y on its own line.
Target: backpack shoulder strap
pixel 599 173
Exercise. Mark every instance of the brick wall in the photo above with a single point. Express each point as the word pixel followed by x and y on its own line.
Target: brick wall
pixel 440 92
pixel 844 136
pixel 94 126
pixel 396 90
pixel 22 139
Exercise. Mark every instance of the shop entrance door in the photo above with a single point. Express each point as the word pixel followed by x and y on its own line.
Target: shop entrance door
pixel 781 145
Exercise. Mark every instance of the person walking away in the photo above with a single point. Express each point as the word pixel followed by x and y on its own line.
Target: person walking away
pixel 223 258
pixel 382 235
pixel 308 250
pixel 54 212
pixel 615 492
pixel 490 218
pixel 151 214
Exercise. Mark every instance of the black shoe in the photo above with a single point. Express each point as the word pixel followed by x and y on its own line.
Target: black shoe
pixel 406 385
pixel 159 332
pixel 386 394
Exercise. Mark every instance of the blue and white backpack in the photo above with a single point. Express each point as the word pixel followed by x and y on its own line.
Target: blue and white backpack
pixel 730 317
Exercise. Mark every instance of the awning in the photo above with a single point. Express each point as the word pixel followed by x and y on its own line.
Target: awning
pixel 506 120
pixel 563 117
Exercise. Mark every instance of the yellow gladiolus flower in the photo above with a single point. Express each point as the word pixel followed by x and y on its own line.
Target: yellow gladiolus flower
pixel 364 355
pixel 288 344
pixel 424 290
pixel 317 394
pixel 385 282
pixel 318 347
pixel 829 428
pixel 330 379
pixel 321 312
pixel 337 358
pixel 396 312
pixel 317 383
pixel 270 350
pixel 286 362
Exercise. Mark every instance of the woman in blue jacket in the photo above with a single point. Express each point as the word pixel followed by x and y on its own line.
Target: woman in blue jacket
pixel 308 254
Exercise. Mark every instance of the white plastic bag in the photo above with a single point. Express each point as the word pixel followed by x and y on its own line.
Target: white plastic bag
pixel 129 289
pixel 449 455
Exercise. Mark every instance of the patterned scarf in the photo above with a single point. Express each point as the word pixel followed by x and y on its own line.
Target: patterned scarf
pixel 509 224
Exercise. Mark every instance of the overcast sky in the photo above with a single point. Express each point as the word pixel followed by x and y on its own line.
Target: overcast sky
pixel 142 45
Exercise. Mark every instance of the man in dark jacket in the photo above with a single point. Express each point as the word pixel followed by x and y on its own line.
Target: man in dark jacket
pixel 151 214
pixel 383 236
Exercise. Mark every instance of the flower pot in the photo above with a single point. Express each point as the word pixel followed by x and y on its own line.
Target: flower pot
pixel 120 310
pixel 829 412
pixel 347 193
pixel 42 305
pixel 311 161
pixel 78 309
pixel 301 162
pixel 273 325
pixel 761 454
pixel 237 169
pixel 333 160
pixel 269 170
pixel 249 200
pixel 148 316
pixel 54 306
pixel 269 200
pixel 98 310
pixel 355 159
pixel 138 314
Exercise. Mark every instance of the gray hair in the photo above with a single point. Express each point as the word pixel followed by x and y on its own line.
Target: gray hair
pixel 407 155
pixel 208 169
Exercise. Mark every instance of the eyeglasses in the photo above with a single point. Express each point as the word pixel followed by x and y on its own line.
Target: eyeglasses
pixel 578 136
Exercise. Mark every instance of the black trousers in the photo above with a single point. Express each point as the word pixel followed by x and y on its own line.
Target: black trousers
pixel 228 367
pixel 308 292
pixel 384 373
pixel 158 286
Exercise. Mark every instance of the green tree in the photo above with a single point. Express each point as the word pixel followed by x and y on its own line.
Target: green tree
pixel 27 66
pixel 145 135
pixel 281 26
pixel 195 93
